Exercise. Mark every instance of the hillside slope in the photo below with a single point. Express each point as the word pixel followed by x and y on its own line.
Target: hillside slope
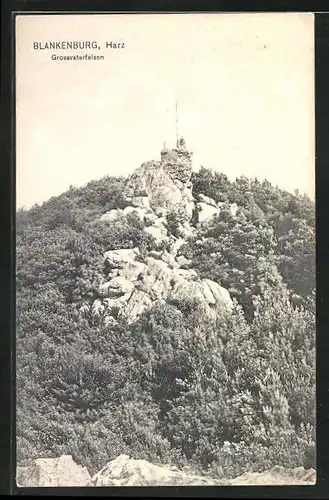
pixel 169 317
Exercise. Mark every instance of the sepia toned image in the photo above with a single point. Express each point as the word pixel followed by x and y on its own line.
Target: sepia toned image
pixel 165 250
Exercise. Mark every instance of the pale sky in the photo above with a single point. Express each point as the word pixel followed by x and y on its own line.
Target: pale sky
pixel 244 85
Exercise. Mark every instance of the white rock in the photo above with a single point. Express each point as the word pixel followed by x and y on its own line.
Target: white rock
pixel 116 287
pixel 53 472
pixel 169 259
pixel 176 245
pixel 117 258
pixel 125 471
pixel 189 274
pixel 138 302
pixel 158 233
pixel 207 211
pixel 160 222
pixel 208 295
pixel 233 209
pixel 185 230
pixel 183 261
pixel 207 200
pixel 184 289
pixel 165 184
pixel 115 303
pixel 221 294
pixel 132 270
pixel 157 254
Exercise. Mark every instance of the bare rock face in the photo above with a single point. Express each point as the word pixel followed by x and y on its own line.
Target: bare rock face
pixel 207 211
pixel 208 208
pixel 219 293
pixel 53 472
pixel 157 230
pixel 135 285
pixel 125 471
pixel 165 185
pixel 117 287
pixel 118 258
pixel 155 190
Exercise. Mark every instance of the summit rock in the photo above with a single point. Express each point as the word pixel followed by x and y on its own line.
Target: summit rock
pixel 165 185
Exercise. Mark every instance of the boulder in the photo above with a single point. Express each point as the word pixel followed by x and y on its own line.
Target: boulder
pixel 139 301
pixel 116 287
pixel 206 211
pixel 159 233
pixel 163 186
pixel 118 258
pixel 133 270
pixel 125 471
pixel 221 294
pixel 176 244
pixel 189 274
pixel 53 472
pixel 275 476
pixel 157 281
pixel 169 259
pixel 135 285
pixel 184 289
pixel 157 254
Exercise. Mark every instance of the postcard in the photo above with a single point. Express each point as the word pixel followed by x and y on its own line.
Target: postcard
pixel 165 249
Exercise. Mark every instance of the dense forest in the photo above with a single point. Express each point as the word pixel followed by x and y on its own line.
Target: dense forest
pixel 223 397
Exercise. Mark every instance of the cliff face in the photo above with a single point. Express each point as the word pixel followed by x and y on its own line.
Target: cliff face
pixel 154 192
pixel 163 185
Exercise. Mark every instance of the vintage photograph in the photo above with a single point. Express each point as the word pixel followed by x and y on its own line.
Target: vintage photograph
pixel 165 249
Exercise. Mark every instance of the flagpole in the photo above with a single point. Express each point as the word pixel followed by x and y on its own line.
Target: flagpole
pixel 176 110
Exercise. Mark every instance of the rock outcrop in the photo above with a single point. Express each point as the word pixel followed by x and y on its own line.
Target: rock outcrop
pixel 276 476
pixel 126 471
pixel 53 472
pixel 135 283
pixel 164 186
pixel 155 191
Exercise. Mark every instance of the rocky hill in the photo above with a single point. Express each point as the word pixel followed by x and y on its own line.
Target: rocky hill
pixel 155 192
pixel 168 317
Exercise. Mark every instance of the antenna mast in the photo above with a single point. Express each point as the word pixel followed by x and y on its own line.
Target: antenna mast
pixel 177 139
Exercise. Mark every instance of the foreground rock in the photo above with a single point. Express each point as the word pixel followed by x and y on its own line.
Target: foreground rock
pixel 126 471
pixel 276 476
pixel 53 472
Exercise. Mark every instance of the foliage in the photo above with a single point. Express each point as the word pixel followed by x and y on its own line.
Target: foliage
pixel 227 393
